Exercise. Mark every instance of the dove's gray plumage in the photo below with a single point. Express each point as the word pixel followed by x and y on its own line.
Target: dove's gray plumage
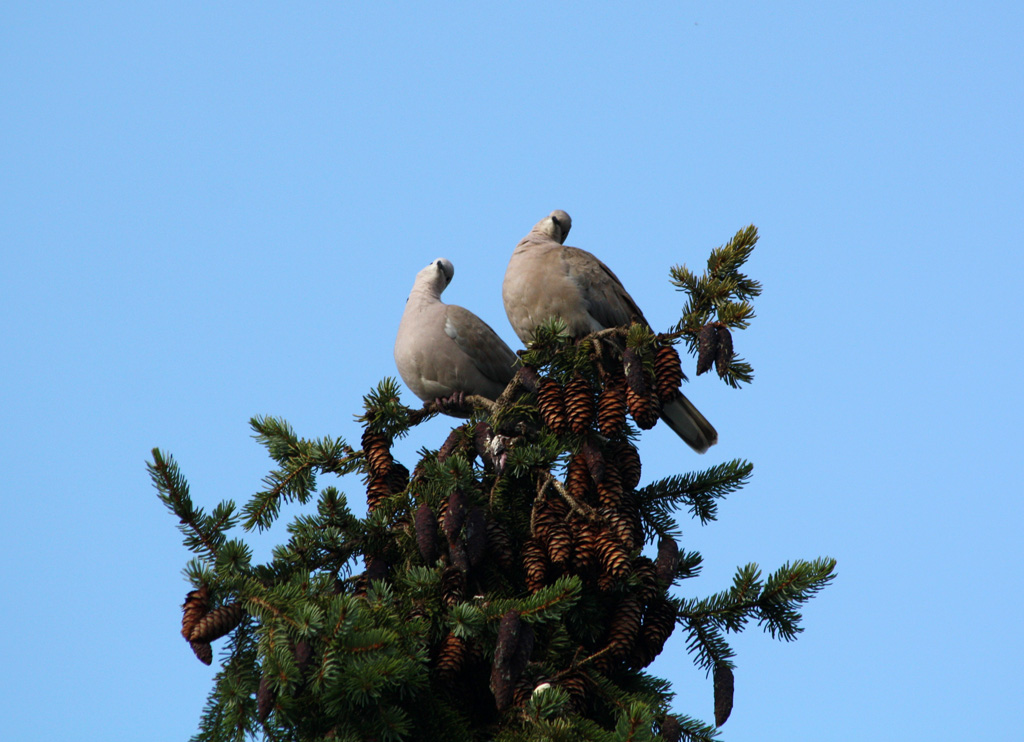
pixel 545 278
pixel 443 349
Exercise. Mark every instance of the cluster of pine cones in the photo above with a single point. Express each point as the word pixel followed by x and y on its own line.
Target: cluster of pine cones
pixel 630 387
pixel 200 626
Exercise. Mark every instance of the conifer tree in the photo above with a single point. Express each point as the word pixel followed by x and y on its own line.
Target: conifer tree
pixel 515 584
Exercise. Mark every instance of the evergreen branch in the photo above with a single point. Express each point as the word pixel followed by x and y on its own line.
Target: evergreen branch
pixel 299 459
pixel 693 730
pixel 700 490
pixel 202 532
pixel 707 645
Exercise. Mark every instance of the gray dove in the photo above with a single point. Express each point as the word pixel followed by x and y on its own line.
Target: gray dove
pixel 444 351
pixel 545 278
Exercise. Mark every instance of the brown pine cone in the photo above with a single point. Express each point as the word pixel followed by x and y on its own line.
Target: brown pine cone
pixel 453 586
pixel 455 514
pixel 578 482
pixel 648 588
pixel 377 450
pixel 585 555
pixel 476 535
pixel 559 543
pixel 551 403
pixel 668 560
pixel 670 730
pixel 613 555
pixel 577 685
pixel 624 627
pixel 547 513
pixel 264 699
pixel 499 545
pixel 627 460
pixel 668 371
pixel 659 623
pixel 609 491
pixel 644 408
pixel 723 693
pixel 196 605
pixel 397 479
pixel 217 623
pixel 621 524
pixel 535 564
pixel 502 673
pixel 707 347
pixel 451 655
pixel 377 490
pixel 203 651
pixel 633 368
pixel 579 404
pixel 451 444
pixel 426 534
pixel 723 356
pixel 611 406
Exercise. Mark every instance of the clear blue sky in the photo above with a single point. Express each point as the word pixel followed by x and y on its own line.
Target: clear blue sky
pixel 211 212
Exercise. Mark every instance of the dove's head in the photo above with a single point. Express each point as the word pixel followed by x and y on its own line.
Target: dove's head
pixel 436 276
pixel 555 226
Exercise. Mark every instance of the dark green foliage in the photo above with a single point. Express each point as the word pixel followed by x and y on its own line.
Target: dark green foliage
pixel 484 595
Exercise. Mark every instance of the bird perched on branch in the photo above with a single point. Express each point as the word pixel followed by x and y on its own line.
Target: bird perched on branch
pixel 444 352
pixel 546 278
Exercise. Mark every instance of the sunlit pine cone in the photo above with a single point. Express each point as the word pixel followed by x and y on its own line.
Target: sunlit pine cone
pixel 551 404
pixel 451 655
pixel 453 586
pixel 196 605
pixel 578 482
pixel 668 371
pixel 707 347
pixel 612 555
pixel 377 490
pixel 377 450
pixel 452 443
pixel 559 543
pixel 499 545
pixel 548 512
pixel 609 490
pixel 624 627
pixel 620 523
pixel 645 409
pixel 217 623
pixel 584 555
pixel 629 505
pixel 579 404
pixel 723 355
pixel 535 564
pixel 611 406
